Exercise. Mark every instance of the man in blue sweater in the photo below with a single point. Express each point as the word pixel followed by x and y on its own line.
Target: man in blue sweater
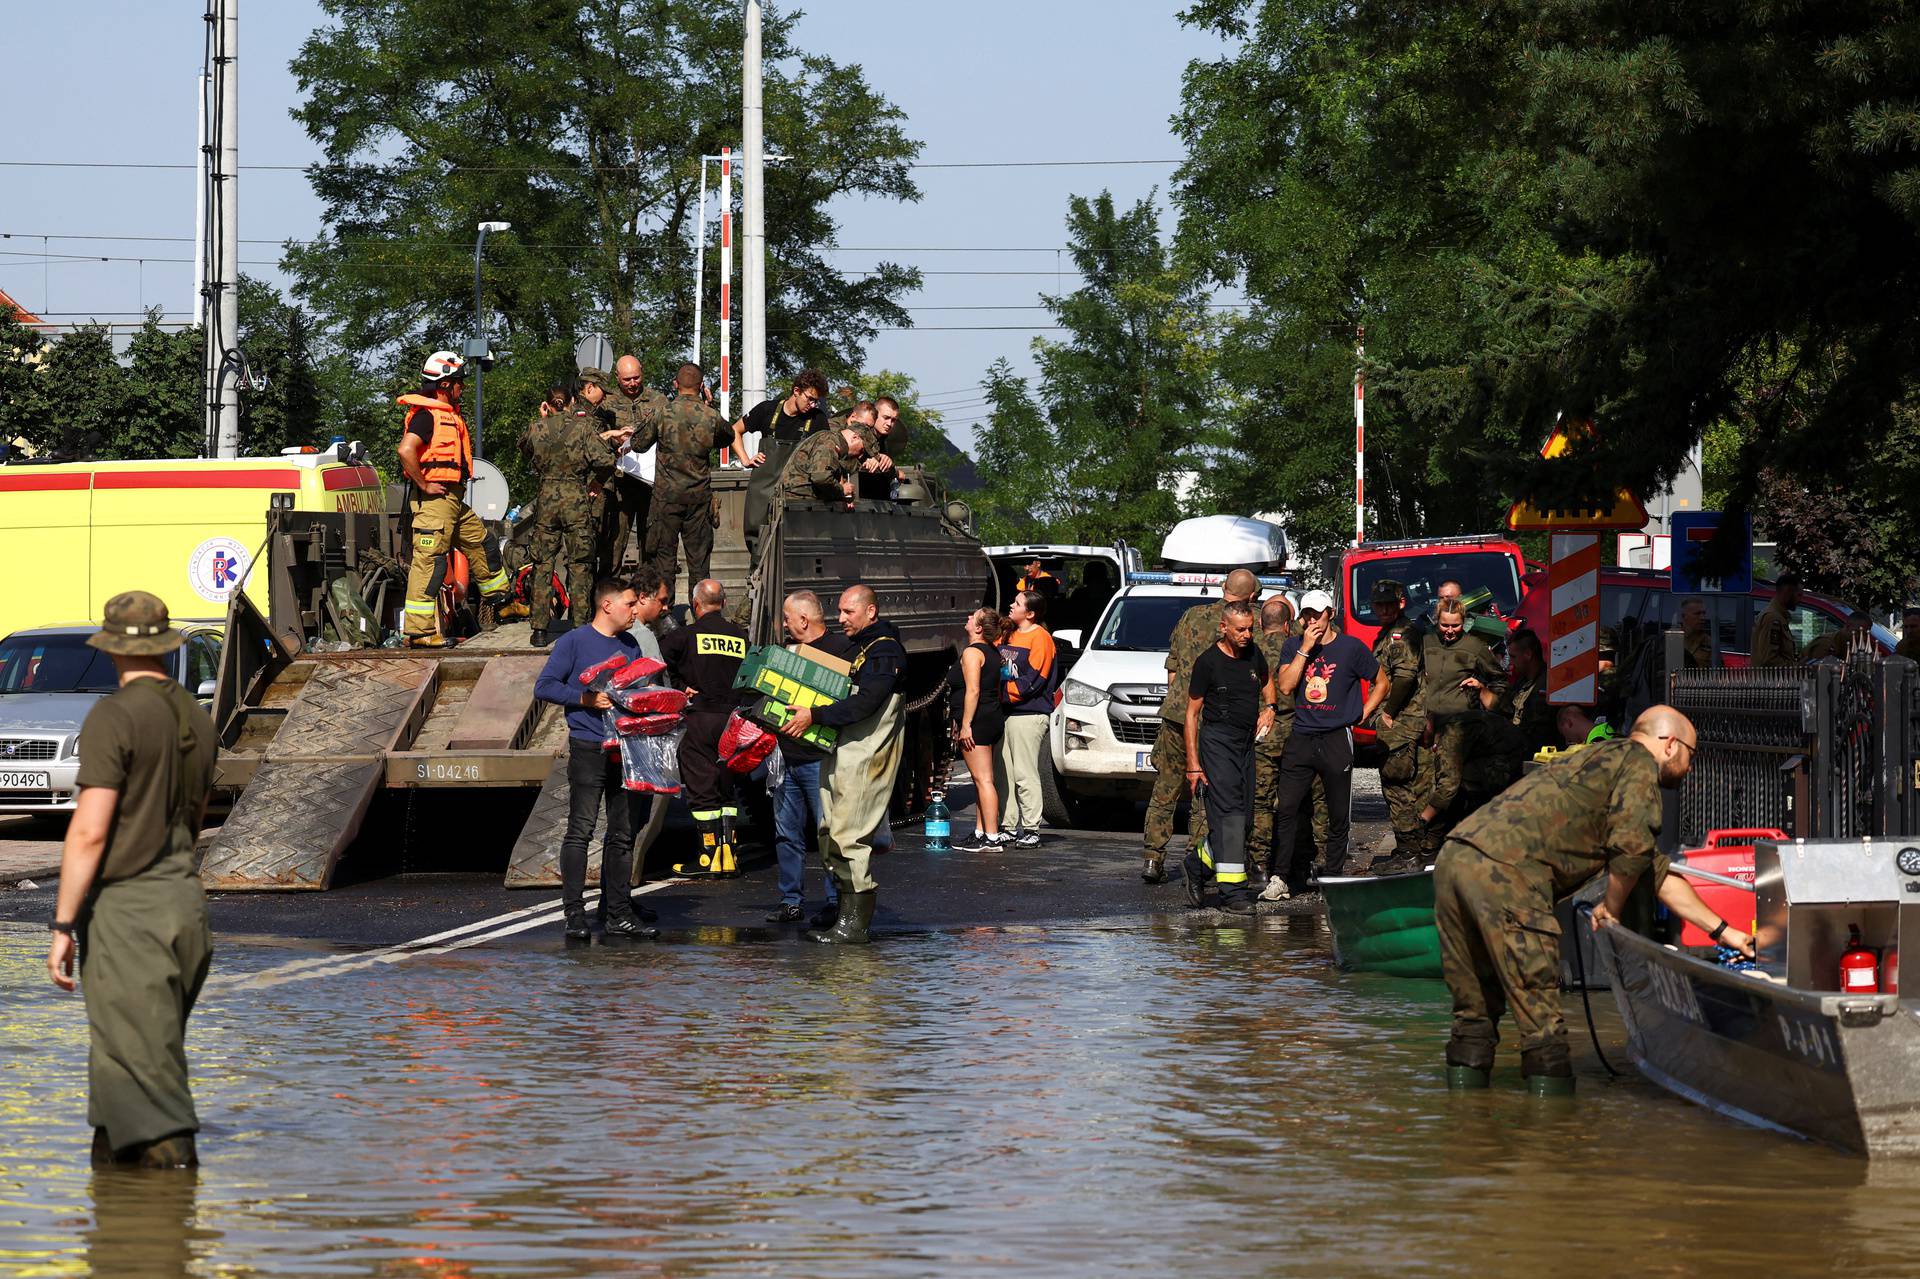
pixel 593 772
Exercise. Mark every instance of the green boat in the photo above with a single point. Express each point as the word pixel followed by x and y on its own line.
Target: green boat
pixel 1384 924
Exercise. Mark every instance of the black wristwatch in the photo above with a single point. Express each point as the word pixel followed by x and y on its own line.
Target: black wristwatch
pixel 61 926
pixel 1715 934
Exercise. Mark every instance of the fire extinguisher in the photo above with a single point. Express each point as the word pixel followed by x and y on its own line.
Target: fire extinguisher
pixel 1859 967
pixel 1890 971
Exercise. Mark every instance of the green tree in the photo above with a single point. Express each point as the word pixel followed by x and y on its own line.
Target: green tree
pixel 582 125
pixel 22 410
pixel 917 437
pixel 1123 406
pixel 283 349
pixel 83 394
pixel 164 406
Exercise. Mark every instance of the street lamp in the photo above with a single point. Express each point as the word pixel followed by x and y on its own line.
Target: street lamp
pixel 477 352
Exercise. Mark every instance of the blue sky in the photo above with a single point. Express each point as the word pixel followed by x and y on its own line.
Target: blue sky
pixel 1000 80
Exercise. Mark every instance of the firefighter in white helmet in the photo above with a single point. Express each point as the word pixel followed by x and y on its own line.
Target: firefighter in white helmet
pixel 437 454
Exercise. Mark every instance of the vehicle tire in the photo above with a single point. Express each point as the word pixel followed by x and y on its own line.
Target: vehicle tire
pixel 1060 808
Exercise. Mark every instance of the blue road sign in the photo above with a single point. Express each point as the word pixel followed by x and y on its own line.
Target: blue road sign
pixel 1692 530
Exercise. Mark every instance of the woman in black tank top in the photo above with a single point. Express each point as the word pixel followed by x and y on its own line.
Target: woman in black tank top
pixel 978 722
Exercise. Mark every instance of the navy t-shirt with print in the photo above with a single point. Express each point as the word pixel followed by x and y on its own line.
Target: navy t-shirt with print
pixel 1329 696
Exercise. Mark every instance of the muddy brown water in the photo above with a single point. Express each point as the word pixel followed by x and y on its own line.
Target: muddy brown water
pixel 1154 1099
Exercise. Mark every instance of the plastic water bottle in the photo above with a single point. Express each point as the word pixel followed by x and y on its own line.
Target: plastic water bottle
pixel 939 827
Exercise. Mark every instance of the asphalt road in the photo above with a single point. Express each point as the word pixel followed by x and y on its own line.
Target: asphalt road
pixel 1075 878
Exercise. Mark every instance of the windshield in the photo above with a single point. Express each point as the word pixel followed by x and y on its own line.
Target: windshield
pixel 54 664
pixel 1143 623
pixel 1421 575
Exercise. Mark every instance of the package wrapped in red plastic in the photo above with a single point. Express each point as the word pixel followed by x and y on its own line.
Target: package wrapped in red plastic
pixel 598 676
pixel 649 699
pixel 652 764
pixel 744 745
pixel 644 725
pixel 640 668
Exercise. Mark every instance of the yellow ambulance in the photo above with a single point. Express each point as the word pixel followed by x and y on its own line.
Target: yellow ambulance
pixel 74 534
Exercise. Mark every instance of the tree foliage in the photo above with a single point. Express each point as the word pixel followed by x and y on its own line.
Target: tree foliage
pixel 1663 216
pixel 1097 449
pixel 583 125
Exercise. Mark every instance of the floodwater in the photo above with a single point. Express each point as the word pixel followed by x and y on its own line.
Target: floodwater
pixel 1158 1099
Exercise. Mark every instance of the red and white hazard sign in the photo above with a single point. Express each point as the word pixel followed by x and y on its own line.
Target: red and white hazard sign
pixel 1573 655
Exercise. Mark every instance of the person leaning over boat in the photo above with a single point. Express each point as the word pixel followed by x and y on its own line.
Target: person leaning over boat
pixel 1501 870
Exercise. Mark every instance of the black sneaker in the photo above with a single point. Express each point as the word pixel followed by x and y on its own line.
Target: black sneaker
pixel 627 928
pixel 1024 838
pixel 578 931
pixel 975 843
pixel 789 913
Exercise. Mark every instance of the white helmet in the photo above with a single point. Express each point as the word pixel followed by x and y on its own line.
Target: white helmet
pixel 442 367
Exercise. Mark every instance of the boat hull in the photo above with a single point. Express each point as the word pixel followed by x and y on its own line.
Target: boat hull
pixel 1384 924
pixel 1839 1069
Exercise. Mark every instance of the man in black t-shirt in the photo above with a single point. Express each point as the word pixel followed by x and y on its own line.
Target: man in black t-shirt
pixel 781 425
pixel 1322 670
pixel 704 659
pixel 1230 699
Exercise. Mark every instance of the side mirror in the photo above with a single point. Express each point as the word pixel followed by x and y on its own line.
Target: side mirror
pixel 206 688
pixel 1071 636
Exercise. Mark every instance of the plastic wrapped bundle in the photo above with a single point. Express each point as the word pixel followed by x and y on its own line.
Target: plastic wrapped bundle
pixel 643 725
pixel 652 763
pixel 599 676
pixel 649 699
pixel 636 671
pixel 744 745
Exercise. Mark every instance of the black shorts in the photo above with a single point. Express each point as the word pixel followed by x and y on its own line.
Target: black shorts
pixel 987 730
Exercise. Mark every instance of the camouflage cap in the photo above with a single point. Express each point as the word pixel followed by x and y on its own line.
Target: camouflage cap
pixel 597 377
pixel 868 436
pixel 1388 591
pixel 135 624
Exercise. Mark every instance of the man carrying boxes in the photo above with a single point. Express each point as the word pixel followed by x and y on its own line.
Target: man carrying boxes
pixel 856 781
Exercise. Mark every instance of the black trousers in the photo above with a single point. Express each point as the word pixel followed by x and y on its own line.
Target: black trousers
pixel 593 781
pixel 1329 756
pixel 1228 759
pixel 705 782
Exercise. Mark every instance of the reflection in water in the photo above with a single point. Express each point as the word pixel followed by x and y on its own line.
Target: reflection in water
pixel 1154 1100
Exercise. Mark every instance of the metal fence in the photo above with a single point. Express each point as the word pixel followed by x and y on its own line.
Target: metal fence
pixel 1827 751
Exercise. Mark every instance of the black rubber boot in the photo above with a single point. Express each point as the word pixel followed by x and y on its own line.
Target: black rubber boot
pixel 856 916
pixel 1199 877
pixel 1469 1063
pixel 1549 1071
pixel 175 1151
pixel 579 933
pixel 827 916
pixel 712 842
pixel 102 1152
pixel 1462 1078
pixel 1238 903
pixel 729 867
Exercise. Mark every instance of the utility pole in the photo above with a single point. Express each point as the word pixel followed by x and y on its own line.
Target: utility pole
pixel 753 212
pixel 1359 436
pixel 478 351
pixel 225 365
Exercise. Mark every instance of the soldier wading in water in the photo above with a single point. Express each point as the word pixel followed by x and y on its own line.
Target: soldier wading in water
pixel 130 901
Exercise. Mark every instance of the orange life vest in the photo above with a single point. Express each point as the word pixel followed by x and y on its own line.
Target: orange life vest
pixel 448 457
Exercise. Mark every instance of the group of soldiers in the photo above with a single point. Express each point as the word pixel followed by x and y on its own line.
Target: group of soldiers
pixel 1455 728
pixel 590 501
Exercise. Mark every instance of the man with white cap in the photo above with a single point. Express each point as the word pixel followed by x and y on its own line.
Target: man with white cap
pixel 1322 670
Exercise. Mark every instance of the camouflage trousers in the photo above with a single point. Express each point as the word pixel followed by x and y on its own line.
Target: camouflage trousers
pixel 628 502
pixel 564 548
pixel 1406 780
pixel 1169 788
pixel 676 519
pixel 1266 800
pixel 1499 950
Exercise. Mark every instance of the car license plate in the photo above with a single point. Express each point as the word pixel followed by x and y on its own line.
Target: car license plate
pixel 10 780
pixel 1143 762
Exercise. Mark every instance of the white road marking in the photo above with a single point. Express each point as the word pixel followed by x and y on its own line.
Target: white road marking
pixel 518 921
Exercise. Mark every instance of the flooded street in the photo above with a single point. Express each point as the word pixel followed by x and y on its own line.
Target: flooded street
pixel 1151 1098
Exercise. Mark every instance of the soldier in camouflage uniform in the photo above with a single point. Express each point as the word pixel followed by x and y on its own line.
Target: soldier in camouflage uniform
pixel 683 510
pixel 634 405
pixel 1501 870
pixel 1489 751
pixel 1458 673
pixel 1406 774
pixel 572 452
pixel 1198 627
pixel 1524 704
pixel 821 469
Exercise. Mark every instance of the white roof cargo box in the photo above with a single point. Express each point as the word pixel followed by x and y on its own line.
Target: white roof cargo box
pixel 1226 541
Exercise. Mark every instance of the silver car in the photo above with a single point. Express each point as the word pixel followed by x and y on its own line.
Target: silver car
pixel 49 680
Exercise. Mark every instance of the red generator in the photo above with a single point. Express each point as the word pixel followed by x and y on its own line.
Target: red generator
pixel 1729 853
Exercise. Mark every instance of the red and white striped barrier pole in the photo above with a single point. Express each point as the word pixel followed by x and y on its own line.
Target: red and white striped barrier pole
pixel 726 288
pixel 1359 439
pixel 1573 659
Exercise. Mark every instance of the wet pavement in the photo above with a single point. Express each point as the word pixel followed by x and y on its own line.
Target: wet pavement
pixel 1042 1066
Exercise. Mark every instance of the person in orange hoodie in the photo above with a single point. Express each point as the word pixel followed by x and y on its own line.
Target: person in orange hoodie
pixel 1029 668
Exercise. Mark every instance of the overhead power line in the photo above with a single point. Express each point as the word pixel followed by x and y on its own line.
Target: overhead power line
pixel 552 168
